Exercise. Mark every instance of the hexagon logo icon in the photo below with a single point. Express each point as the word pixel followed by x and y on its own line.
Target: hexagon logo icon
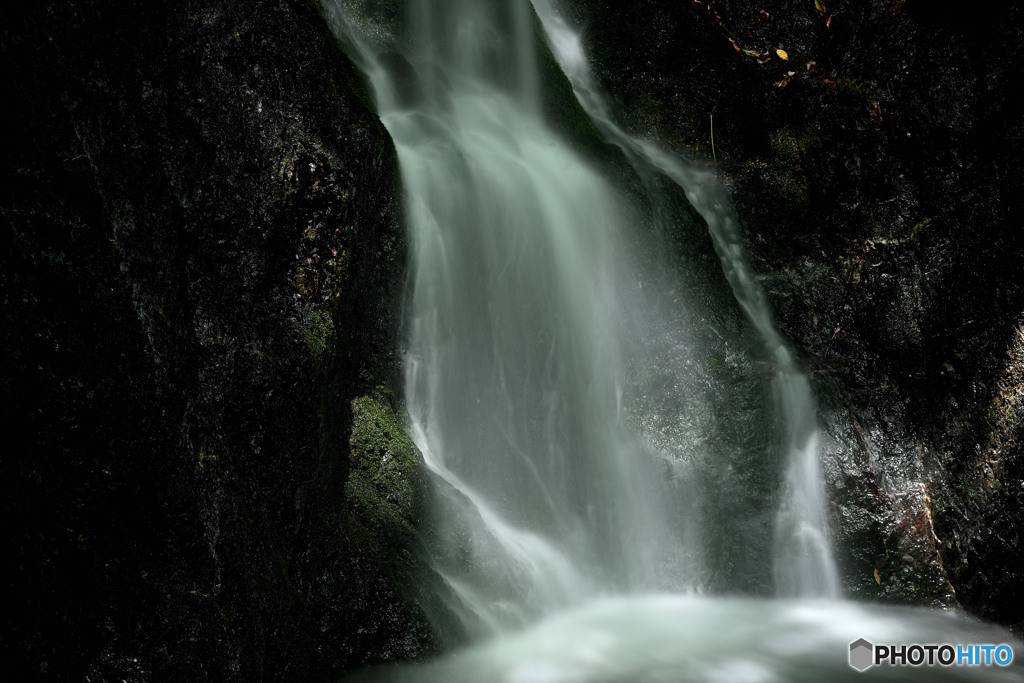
pixel 861 654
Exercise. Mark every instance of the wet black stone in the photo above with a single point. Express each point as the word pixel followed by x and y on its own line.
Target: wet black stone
pixel 201 260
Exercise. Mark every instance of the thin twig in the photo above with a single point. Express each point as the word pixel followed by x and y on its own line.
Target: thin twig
pixel 713 157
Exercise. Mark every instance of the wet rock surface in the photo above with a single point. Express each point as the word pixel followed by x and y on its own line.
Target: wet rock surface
pixel 200 262
pixel 874 159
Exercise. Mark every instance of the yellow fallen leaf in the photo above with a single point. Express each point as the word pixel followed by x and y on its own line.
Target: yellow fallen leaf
pixel 782 54
pixel 878 578
pixel 819 5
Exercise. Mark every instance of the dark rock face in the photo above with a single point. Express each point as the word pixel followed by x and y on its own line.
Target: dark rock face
pixel 876 171
pixel 201 256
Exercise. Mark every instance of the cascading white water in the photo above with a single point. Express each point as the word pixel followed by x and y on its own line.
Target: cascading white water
pixel 525 313
pixel 519 328
pixel 803 557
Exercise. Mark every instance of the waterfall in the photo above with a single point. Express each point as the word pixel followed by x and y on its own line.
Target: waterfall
pixel 803 558
pixel 557 529
pixel 523 304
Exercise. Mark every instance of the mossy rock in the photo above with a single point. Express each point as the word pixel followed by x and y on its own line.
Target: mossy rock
pixel 385 482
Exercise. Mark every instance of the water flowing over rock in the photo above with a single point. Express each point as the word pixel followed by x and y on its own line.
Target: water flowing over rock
pixel 524 314
pixel 869 170
pixel 516 380
pixel 667 265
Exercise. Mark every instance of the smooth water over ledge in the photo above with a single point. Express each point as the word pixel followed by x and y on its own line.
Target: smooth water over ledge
pixel 554 524
pixel 674 638
pixel 803 563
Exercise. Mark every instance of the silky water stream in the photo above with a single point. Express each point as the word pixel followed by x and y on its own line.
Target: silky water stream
pixel 563 551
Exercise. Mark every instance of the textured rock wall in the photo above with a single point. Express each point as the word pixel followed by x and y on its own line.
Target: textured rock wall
pixel 200 261
pixel 876 171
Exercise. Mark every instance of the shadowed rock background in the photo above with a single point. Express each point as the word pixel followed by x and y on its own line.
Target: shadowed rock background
pixel 201 261
pixel 205 476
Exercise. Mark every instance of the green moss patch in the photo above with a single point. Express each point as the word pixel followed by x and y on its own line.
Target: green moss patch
pixel 385 479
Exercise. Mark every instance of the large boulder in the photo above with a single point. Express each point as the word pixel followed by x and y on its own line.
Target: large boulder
pixel 201 258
